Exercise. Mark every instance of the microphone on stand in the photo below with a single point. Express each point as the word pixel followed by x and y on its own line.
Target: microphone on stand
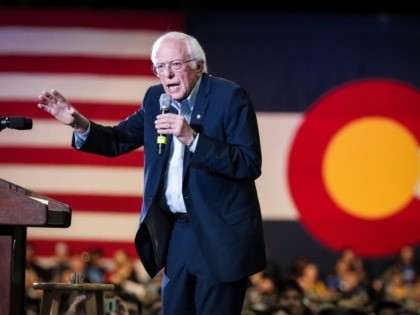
pixel 165 103
pixel 17 122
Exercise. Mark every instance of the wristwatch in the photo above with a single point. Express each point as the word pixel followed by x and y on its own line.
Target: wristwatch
pixel 194 135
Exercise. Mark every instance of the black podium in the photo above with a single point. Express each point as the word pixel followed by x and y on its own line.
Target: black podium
pixel 21 208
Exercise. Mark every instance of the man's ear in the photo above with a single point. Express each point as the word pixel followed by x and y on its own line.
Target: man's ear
pixel 200 66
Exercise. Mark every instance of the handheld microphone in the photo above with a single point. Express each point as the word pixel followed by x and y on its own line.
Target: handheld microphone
pixel 165 103
pixel 20 123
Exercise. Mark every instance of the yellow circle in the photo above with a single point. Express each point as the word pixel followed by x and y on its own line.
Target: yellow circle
pixel 370 167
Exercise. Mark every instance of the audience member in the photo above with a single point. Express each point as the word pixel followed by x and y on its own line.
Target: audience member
pixel 61 260
pixel 297 266
pixel 291 299
pixel 395 287
pixel 32 263
pixel 399 281
pixel 349 283
pixel 34 272
pixel 95 270
pixel 349 261
pixel 123 276
pixel 262 291
pixel 406 263
pixel 352 293
pixel 315 290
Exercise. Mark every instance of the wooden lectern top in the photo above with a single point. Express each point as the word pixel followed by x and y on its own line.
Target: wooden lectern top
pixel 22 207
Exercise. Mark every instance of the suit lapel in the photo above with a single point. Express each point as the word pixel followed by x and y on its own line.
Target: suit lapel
pixel 201 103
pixel 197 115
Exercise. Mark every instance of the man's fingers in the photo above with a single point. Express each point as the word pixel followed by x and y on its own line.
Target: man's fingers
pixel 44 107
pixel 55 93
pixel 42 97
pixel 60 98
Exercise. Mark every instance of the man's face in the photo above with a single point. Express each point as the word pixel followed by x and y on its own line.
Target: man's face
pixel 178 83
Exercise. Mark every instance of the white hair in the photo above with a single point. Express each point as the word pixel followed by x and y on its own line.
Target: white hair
pixel 194 48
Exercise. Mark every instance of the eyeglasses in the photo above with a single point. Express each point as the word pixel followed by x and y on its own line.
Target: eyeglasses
pixel 175 66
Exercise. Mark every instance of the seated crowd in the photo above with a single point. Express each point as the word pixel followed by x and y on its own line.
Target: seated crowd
pixel 348 290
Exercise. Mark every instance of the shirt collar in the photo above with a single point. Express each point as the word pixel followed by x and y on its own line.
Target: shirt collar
pixel 193 94
pixel 191 98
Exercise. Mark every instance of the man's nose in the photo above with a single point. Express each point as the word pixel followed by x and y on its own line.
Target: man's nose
pixel 168 71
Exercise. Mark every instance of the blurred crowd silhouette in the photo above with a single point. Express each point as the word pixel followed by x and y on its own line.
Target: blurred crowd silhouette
pixel 346 290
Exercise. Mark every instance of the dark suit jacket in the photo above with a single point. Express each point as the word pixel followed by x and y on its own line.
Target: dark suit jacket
pixel 219 178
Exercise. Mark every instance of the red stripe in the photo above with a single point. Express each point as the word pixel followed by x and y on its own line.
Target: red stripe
pixel 66 156
pixel 150 20
pixel 69 64
pixel 93 111
pixel 46 247
pixel 100 203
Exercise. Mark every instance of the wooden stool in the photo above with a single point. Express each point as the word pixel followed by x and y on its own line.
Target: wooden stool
pixel 50 304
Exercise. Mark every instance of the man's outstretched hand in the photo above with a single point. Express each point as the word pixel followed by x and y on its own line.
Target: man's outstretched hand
pixel 55 104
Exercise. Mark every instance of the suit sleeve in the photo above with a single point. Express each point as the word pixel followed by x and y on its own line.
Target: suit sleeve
pixel 113 141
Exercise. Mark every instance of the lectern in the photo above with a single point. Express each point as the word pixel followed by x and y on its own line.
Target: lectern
pixel 21 208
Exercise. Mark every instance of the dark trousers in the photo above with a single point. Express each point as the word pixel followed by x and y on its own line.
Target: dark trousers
pixel 189 285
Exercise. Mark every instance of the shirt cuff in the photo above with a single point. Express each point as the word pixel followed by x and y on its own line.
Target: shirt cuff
pixel 79 139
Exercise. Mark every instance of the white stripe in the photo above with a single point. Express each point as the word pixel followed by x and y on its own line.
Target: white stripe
pixel 75 179
pixel 92 226
pixel 277 131
pixel 77 41
pixel 94 88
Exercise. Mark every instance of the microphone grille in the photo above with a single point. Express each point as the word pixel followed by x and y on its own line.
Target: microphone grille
pixel 165 101
pixel 21 123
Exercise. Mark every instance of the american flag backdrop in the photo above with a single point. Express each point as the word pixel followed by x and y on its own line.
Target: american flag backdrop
pixel 337 104
pixel 101 63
